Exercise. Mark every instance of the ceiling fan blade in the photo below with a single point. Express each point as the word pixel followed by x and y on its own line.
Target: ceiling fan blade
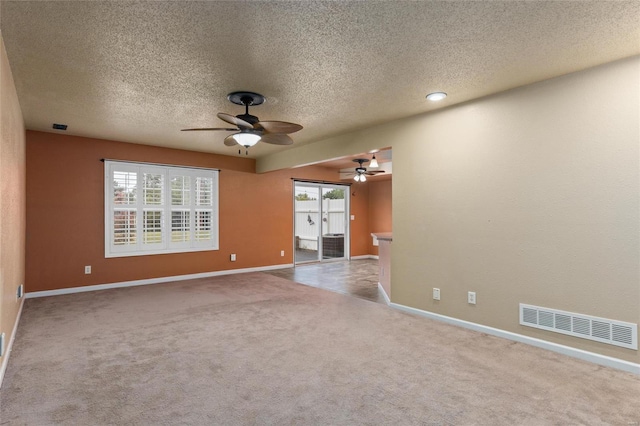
pixel 276 139
pixel 230 141
pixel 279 126
pixel 373 172
pixel 209 128
pixel 235 120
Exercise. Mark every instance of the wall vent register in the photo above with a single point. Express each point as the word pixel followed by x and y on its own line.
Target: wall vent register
pixel 602 330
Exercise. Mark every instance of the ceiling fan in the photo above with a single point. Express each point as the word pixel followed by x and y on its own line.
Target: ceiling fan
pixel 250 130
pixel 361 172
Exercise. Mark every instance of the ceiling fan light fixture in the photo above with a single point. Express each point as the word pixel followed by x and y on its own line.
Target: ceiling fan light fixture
pixel 436 96
pixel 247 139
pixel 363 178
pixel 250 130
pixel 374 162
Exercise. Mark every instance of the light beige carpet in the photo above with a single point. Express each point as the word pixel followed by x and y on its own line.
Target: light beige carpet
pixel 257 349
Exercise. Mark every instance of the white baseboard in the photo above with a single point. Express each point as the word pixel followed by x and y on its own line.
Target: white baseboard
pixel 554 347
pixel 5 357
pixel 384 294
pixel 364 256
pixel 159 280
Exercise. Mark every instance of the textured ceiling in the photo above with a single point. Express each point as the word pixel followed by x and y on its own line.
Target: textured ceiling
pixel 141 71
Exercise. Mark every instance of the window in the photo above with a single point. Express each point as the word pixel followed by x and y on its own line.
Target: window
pixel 151 209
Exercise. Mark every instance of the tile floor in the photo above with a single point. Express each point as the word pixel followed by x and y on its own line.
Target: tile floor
pixel 357 278
pixel 308 256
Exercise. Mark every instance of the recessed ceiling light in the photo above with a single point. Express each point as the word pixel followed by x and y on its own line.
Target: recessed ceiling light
pixel 436 96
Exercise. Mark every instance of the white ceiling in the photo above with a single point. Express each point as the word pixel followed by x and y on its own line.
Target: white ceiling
pixel 141 71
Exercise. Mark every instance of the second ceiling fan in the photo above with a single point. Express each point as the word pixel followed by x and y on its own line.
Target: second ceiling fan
pixel 249 129
pixel 361 172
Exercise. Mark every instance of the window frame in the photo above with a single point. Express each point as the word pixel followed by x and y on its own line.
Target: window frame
pixel 166 245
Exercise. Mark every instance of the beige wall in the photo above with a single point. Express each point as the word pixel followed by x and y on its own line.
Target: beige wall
pixel 372 138
pixel 384 265
pixel 531 196
pixel 12 198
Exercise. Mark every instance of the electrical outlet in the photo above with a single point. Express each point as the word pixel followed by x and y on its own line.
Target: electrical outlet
pixel 353 217
pixel 233 257
pixel 282 253
pixel 20 291
pixel 471 297
pixel 87 269
pixel 436 294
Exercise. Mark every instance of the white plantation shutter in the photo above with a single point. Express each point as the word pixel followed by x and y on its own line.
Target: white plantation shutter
pixel 122 196
pixel 151 209
pixel 204 222
pixel 180 209
pixel 153 197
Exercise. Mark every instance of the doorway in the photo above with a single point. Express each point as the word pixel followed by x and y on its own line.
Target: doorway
pixel 321 225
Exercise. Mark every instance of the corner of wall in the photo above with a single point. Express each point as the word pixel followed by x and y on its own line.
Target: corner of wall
pixel 12 204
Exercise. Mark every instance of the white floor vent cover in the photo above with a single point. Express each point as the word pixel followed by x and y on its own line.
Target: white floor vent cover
pixel 603 330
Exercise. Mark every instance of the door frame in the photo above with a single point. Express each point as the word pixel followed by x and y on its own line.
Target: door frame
pixel 347 215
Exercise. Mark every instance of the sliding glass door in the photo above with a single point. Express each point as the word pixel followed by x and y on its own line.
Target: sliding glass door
pixel 320 221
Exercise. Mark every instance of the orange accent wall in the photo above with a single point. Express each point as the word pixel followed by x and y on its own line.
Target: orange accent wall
pixel 360 226
pixel 379 210
pixel 65 213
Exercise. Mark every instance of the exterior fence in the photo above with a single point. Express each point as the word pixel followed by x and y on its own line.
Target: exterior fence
pixel 309 224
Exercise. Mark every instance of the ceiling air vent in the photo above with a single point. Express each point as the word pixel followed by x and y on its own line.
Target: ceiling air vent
pixel 57 126
pixel 603 330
